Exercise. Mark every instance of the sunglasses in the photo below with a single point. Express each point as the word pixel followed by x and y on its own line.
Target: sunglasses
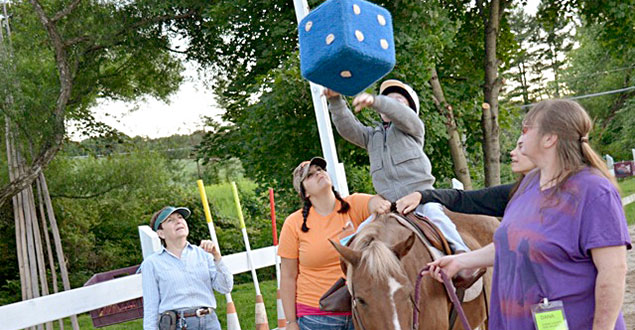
pixel 525 128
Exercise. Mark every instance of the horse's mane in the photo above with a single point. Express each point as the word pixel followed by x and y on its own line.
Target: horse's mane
pixel 378 260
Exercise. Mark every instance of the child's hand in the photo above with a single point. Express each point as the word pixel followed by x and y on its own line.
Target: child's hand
pixel 329 93
pixel 378 205
pixel 210 247
pixel 363 100
pixel 409 202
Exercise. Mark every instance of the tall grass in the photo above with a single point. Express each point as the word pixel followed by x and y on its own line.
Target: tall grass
pixel 221 197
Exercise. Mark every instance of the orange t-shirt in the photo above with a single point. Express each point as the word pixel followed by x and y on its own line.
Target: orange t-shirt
pixel 318 262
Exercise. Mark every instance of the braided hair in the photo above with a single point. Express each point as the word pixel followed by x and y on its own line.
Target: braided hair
pixel 307 206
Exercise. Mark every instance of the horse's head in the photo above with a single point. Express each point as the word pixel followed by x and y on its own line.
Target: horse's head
pixel 383 293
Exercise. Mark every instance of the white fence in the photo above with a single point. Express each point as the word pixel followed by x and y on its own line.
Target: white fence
pixel 56 306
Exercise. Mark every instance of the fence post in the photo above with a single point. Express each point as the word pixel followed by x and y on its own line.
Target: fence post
pixel 150 241
pixel 610 164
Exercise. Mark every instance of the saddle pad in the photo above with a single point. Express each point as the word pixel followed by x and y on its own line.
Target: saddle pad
pixel 472 292
pixel 430 231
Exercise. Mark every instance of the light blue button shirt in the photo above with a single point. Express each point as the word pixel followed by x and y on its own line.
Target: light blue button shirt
pixel 170 283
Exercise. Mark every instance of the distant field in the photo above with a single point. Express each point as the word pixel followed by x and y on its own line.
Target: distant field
pixel 222 199
pixel 627 186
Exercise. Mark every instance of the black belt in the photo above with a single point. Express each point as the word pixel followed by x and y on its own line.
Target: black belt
pixel 198 312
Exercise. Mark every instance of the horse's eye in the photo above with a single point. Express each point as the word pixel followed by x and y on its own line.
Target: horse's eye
pixel 360 301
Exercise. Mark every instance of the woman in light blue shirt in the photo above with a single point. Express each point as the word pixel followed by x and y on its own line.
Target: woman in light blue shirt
pixel 179 278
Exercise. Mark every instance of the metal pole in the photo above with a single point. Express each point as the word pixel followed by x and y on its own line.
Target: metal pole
pixel 334 167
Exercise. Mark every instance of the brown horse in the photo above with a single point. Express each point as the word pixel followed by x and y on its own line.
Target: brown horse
pixel 382 267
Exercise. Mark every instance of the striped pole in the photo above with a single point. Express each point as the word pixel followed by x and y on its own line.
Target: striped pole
pixel 282 320
pixel 232 316
pixel 261 313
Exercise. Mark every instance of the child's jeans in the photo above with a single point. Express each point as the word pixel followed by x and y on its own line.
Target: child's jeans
pixel 434 212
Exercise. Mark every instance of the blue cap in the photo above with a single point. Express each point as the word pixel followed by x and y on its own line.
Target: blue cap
pixel 167 211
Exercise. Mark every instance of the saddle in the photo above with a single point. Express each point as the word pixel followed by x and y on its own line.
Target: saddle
pixel 436 239
pixel 429 231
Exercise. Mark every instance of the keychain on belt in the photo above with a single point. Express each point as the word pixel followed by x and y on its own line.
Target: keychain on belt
pixel 182 322
pixel 549 315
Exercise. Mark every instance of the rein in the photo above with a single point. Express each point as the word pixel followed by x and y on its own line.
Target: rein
pixel 451 294
pixel 415 310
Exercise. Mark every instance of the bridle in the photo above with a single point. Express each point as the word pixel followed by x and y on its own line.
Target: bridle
pixel 414 300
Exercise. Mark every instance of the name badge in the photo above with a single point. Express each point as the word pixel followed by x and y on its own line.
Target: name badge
pixel 549 315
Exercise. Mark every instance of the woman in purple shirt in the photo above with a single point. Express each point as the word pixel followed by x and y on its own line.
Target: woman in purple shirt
pixel 563 236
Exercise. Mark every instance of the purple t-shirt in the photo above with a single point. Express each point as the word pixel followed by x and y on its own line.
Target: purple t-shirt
pixel 543 249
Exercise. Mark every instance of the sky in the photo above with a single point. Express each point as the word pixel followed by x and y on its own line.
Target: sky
pixel 182 115
pixel 153 118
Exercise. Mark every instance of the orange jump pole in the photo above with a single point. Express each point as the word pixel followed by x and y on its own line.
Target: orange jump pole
pixel 232 316
pixel 261 313
pixel 282 320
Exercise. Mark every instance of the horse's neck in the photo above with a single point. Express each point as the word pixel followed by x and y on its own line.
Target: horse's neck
pixel 433 302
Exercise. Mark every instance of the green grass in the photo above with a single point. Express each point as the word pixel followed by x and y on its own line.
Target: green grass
pixel 221 196
pixel 627 186
pixel 244 300
pixel 630 213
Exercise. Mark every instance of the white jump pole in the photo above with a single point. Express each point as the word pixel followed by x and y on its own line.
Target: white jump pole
pixel 232 316
pixel 334 167
pixel 262 322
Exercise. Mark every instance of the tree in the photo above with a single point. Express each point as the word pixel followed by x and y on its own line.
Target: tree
pixel 418 56
pixel 491 13
pixel 522 64
pixel 552 40
pixel 467 67
pixel 591 70
pixel 91 50
pixel 259 78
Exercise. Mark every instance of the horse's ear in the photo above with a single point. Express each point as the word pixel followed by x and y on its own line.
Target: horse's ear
pixel 401 249
pixel 349 255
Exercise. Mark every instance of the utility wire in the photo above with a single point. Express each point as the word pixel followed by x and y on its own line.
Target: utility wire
pixel 598 73
pixel 615 91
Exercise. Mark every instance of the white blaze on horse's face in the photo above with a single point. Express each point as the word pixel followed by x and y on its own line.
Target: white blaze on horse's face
pixel 394 286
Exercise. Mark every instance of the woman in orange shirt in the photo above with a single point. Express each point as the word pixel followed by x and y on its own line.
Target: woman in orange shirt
pixel 310 265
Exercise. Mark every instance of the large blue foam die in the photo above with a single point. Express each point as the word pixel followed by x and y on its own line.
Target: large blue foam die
pixel 346 45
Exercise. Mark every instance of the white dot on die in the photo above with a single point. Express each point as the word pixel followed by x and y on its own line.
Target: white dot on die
pixel 346 74
pixel 381 20
pixel 384 43
pixel 359 35
pixel 330 38
pixel 356 9
pixel 308 26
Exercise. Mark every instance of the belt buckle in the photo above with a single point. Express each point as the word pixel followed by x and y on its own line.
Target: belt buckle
pixel 200 311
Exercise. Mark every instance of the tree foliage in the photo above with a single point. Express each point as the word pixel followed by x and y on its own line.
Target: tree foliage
pixel 65 55
pixel 592 69
pixel 270 123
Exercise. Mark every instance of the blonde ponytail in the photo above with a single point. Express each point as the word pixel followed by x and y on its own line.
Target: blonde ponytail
pixel 594 160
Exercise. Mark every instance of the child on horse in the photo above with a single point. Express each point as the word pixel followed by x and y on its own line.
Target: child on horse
pixel 398 163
